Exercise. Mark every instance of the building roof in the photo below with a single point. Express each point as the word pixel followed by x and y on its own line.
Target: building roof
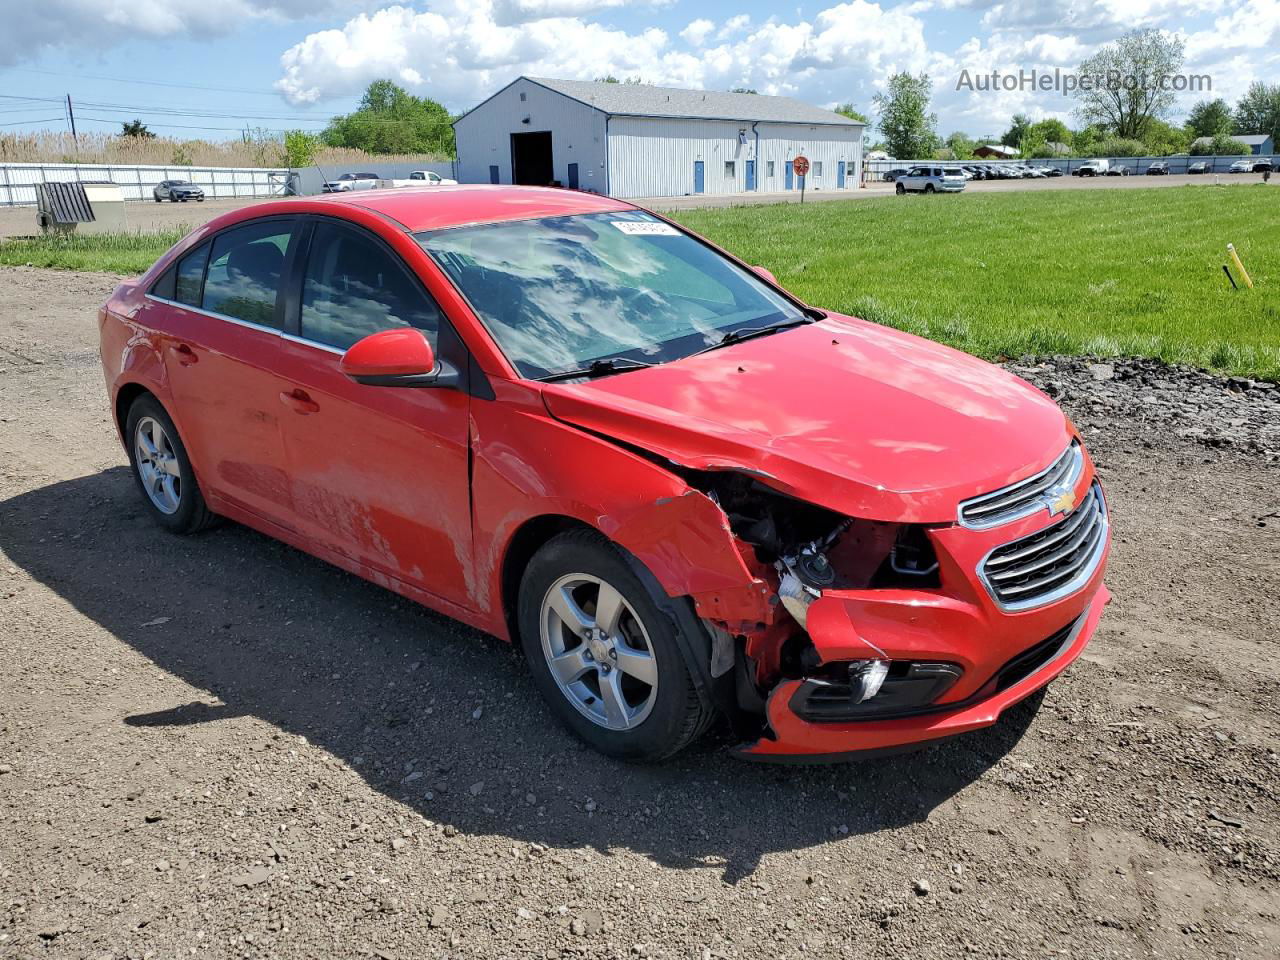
pixel 999 148
pixel 644 100
pixel 1248 139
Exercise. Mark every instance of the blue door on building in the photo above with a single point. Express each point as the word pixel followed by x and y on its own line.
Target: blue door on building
pixel 790 176
pixel 840 174
pixel 751 174
pixel 699 181
pixel 493 174
pixel 573 176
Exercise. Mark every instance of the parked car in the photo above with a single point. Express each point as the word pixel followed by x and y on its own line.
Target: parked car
pixel 350 181
pixel 179 191
pixel 1051 171
pixel 667 511
pixel 1159 168
pixel 1117 170
pixel 975 171
pixel 932 179
pixel 1263 165
pixel 892 175
pixel 1250 165
pixel 1091 168
pixel 419 178
pixel 1200 166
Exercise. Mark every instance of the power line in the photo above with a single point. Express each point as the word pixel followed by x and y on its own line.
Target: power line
pixel 149 83
pixel 21 123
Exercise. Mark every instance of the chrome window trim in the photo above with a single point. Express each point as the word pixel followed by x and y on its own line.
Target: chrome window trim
pixel 1074 450
pixel 1087 569
pixel 276 331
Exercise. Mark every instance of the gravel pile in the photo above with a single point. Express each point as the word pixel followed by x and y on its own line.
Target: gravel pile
pixel 1148 401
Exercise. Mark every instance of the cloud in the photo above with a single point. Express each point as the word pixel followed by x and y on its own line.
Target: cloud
pixel 510 12
pixel 32 28
pixel 696 33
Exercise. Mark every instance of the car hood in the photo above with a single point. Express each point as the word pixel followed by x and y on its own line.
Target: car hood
pixel 843 413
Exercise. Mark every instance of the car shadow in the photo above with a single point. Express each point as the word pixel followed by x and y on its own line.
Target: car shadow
pixel 431 713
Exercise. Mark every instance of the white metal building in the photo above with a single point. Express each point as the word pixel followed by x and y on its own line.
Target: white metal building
pixel 636 140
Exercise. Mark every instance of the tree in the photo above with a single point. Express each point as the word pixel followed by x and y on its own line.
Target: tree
pixel 847 110
pixel 1126 81
pixel 136 128
pixel 1259 110
pixel 743 90
pixel 1017 130
pixel 1220 146
pixel 300 148
pixel 1163 139
pixel 960 145
pixel 391 120
pixel 1209 118
pixel 908 126
pixel 1051 130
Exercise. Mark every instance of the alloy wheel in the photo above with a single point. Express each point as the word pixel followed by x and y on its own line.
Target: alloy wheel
pixel 158 465
pixel 598 651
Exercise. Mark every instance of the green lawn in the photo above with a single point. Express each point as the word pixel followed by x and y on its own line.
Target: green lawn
pixel 1108 272
pixel 129 253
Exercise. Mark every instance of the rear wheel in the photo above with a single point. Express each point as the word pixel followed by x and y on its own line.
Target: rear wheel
pixel 603 654
pixel 162 469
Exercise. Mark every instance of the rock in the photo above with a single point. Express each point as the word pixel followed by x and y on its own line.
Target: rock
pixel 922 888
pixel 5 768
pixel 398 844
pixel 1101 371
pixel 477 713
pixel 477 788
pixel 578 927
pixel 525 914
pixel 163 866
pixel 251 877
pixel 438 916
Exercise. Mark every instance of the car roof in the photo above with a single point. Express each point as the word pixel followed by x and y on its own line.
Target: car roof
pixel 452 206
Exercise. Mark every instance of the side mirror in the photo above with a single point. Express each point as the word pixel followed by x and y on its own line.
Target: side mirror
pixel 767 275
pixel 397 358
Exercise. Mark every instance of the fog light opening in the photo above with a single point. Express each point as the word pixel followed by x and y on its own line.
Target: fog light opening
pixel 865 679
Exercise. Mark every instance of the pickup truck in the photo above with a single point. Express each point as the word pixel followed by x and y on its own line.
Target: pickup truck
pixel 418 178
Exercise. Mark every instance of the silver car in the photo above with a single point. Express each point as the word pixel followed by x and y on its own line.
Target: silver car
pixel 932 179
pixel 177 191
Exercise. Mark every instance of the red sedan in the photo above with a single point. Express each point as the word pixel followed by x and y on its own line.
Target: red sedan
pixel 570 423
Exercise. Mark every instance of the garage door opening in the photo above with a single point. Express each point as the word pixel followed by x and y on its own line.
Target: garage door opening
pixel 531 159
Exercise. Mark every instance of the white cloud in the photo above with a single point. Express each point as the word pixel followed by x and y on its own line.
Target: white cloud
pixel 696 33
pixel 510 12
pixel 33 27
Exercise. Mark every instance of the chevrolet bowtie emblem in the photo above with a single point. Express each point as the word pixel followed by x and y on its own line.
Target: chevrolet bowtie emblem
pixel 1064 502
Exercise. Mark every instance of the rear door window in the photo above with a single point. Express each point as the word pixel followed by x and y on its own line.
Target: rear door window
pixel 246 265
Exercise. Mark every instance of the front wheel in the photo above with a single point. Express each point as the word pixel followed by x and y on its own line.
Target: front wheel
pixel 603 654
pixel 901 188
pixel 162 469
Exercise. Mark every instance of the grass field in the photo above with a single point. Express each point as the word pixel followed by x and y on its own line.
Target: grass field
pixel 1107 272
pixel 107 253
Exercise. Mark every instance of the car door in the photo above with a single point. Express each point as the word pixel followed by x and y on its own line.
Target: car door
pixel 379 474
pixel 220 352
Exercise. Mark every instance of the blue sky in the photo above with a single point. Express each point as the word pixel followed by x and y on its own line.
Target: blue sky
pixel 292 63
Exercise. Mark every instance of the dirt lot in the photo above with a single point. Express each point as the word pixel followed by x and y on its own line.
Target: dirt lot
pixel 219 747
pixel 143 217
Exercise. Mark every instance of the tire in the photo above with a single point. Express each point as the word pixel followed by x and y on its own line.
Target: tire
pixel 651 721
pixel 188 513
pixel 157 199
pixel 199 199
pixel 928 188
pixel 900 188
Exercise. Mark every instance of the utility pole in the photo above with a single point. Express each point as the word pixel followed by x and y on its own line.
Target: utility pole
pixel 71 116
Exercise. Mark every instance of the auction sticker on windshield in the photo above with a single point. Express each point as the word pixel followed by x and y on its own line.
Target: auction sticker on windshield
pixel 643 228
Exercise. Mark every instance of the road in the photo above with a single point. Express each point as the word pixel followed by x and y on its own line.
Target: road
pixel 220 747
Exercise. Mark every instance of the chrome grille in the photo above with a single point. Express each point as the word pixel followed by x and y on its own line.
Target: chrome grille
pixel 1025 497
pixel 1050 563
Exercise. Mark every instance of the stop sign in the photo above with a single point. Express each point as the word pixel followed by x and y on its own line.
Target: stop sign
pixel 800 165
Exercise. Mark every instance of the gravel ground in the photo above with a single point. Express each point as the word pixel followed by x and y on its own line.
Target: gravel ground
pixel 220 747
pixel 141 216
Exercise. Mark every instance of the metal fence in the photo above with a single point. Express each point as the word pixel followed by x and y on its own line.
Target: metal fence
pixel 876 169
pixel 18 180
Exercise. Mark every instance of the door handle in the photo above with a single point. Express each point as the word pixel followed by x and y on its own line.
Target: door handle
pixel 186 356
pixel 299 402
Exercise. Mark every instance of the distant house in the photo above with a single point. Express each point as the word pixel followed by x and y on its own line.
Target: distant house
pixel 997 151
pixel 1260 144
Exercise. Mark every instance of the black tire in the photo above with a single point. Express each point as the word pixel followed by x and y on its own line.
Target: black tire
pixel 679 714
pixel 900 188
pixel 192 515
pixel 157 199
pixel 928 188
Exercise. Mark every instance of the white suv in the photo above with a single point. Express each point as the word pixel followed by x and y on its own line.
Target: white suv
pixel 932 179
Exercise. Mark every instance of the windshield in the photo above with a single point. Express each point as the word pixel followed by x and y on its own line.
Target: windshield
pixel 560 292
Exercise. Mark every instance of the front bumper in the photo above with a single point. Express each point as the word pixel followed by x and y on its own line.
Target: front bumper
pixel 960 624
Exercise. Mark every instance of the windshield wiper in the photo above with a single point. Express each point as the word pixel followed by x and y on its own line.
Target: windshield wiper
pixel 598 368
pixel 748 333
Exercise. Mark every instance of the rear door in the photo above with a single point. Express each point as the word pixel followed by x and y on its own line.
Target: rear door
pixel 220 356
pixel 379 474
